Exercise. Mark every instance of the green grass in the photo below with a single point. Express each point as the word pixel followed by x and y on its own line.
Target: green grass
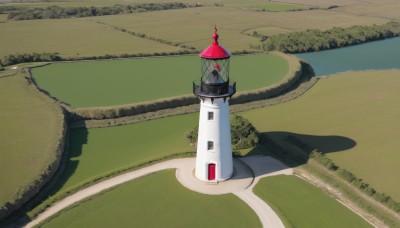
pixel 76 37
pixel 299 204
pixel 100 151
pixel 108 83
pixel 352 117
pixel 158 200
pixel 30 126
pixel 280 7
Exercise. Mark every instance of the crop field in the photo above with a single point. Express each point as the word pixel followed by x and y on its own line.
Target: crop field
pixel 300 204
pixel 352 118
pixel 106 83
pixel 30 126
pixel 158 200
pixel 75 37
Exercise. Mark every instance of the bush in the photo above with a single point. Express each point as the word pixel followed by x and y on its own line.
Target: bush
pixel 316 40
pixel 243 133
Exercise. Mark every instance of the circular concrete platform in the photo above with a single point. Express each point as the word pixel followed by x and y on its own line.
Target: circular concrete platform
pixel 242 178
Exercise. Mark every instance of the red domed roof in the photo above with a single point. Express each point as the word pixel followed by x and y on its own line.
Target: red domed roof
pixel 215 51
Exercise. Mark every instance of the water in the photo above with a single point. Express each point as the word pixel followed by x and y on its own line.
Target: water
pixel 383 54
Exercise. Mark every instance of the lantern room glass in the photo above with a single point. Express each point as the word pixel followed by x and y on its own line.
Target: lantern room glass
pixel 214 71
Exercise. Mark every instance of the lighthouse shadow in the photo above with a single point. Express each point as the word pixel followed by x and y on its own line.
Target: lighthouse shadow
pixel 290 149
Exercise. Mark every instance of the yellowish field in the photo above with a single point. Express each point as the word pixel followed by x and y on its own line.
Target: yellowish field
pixel 382 11
pixel 30 126
pixel 352 117
pixel 194 26
pixel 338 2
pixel 71 38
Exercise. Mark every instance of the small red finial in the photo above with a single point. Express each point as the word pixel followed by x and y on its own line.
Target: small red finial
pixel 215 35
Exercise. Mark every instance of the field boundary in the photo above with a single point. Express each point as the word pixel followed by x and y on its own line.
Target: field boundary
pixel 166 104
pixel 28 192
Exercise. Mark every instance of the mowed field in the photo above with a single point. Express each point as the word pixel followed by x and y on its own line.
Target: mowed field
pixel 300 204
pixel 158 200
pixel 30 126
pixel 351 117
pixel 107 83
pixel 98 152
pixel 76 37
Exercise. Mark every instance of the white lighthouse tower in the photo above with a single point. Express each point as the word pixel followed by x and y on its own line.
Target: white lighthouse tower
pixel 214 149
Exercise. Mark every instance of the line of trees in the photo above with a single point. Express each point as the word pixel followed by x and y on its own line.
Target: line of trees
pixel 317 40
pixel 56 12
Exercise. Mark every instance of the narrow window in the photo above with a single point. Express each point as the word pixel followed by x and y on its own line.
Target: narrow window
pixel 210 115
pixel 210 145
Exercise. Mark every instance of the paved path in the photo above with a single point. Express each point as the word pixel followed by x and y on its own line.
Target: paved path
pixel 241 184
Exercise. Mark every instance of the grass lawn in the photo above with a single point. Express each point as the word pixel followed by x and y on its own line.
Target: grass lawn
pixel 158 200
pixel 99 151
pixel 108 83
pixel 30 126
pixel 73 37
pixel 352 117
pixel 299 204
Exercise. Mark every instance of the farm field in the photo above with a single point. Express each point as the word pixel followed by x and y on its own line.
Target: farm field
pixel 352 117
pixel 157 200
pixel 236 20
pixel 30 126
pixel 97 152
pixel 312 207
pixel 76 37
pixel 134 80
pixel 183 25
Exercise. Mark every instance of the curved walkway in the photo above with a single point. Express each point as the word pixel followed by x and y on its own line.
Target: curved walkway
pixel 247 172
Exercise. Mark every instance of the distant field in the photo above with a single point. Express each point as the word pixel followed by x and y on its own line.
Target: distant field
pixel 77 37
pixel 299 204
pixel 134 80
pixel 183 25
pixel 29 129
pixel 71 38
pixel 158 200
pixel 359 107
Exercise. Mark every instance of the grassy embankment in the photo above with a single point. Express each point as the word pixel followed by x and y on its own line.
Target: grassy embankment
pixel 349 117
pixel 31 126
pixel 299 204
pixel 136 80
pixel 158 200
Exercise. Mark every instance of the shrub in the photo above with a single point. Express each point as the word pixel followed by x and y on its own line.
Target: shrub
pixel 243 133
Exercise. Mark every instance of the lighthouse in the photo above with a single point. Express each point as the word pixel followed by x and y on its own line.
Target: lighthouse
pixel 214 148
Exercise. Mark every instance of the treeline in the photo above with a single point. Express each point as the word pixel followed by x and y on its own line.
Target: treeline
pixel 317 40
pixel 49 57
pixel 57 12
pixel 345 174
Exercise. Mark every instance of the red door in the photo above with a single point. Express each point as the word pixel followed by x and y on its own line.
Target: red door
pixel 211 171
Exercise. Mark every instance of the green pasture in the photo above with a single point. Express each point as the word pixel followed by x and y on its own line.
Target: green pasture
pixel 30 126
pixel 351 117
pixel 108 83
pixel 75 37
pixel 158 200
pixel 98 152
pixel 300 204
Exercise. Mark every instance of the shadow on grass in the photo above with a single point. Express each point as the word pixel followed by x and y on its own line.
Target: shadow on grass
pixel 294 149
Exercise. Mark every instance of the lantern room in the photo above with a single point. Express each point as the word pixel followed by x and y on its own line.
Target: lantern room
pixel 214 71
